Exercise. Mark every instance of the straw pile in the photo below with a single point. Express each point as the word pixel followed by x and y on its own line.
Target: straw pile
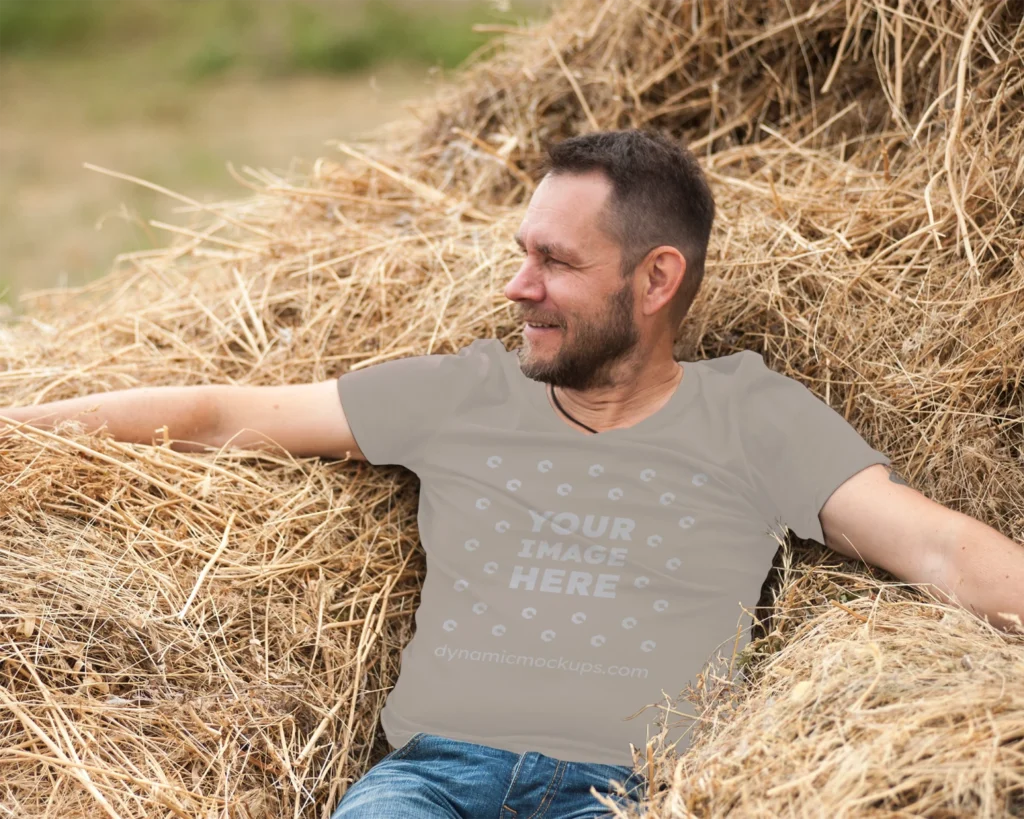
pixel 203 635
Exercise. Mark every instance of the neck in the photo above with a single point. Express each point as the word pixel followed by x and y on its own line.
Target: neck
pixel 622 404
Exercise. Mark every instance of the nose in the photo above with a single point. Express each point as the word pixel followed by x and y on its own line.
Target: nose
pixel 525 285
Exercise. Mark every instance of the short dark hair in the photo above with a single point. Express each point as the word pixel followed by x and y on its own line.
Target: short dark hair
pixel 659 197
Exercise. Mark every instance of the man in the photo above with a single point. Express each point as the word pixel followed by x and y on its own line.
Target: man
pixel 595 514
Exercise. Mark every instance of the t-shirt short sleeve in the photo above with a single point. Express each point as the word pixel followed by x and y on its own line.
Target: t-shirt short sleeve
pixel 395 408
pixel 799 449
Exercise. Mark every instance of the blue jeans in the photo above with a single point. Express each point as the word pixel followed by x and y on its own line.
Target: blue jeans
pixel 433 777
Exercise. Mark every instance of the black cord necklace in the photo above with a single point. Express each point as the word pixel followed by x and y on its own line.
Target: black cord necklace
pixel 566 414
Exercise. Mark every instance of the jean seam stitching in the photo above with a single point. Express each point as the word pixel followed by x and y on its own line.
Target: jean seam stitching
pixel 512 784
pixel 556 779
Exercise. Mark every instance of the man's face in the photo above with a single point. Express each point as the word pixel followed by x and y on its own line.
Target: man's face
pixel 570 278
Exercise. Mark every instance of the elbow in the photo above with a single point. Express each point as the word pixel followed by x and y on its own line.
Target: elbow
pixel 203 425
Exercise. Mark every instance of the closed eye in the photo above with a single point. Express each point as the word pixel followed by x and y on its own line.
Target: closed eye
pixel 547 257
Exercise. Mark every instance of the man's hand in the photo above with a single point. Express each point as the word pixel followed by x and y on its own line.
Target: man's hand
pixel 303 419
pixel 128 415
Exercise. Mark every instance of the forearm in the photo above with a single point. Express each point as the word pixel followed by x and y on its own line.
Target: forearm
pixel 134 415
pixel 985 571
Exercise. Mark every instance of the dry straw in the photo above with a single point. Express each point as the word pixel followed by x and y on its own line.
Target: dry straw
pixel 207 635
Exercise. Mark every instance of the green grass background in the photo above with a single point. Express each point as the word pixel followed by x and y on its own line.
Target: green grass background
pixel 198 39
pixel 78 74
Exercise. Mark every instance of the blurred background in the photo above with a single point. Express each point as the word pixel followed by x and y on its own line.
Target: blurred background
pixel 170 90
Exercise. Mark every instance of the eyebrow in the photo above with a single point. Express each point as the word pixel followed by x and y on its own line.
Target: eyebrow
pixel 552 249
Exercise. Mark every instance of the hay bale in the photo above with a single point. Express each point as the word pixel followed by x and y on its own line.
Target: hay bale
pixel 886 704
pixel 214 635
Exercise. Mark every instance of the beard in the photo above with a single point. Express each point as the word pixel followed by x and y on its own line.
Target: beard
pixel 587 351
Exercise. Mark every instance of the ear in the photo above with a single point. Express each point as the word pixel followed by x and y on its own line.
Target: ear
pixel 664 269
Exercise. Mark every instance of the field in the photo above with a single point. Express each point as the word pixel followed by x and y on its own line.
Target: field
pixel 171 92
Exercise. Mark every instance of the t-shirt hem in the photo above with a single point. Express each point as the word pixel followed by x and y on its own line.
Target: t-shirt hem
pixel 400 730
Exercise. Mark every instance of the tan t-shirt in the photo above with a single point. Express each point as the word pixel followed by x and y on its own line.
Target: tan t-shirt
pixel 572 577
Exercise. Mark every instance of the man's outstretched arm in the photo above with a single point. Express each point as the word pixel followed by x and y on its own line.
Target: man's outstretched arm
pixel 302 419
pixel 877 517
